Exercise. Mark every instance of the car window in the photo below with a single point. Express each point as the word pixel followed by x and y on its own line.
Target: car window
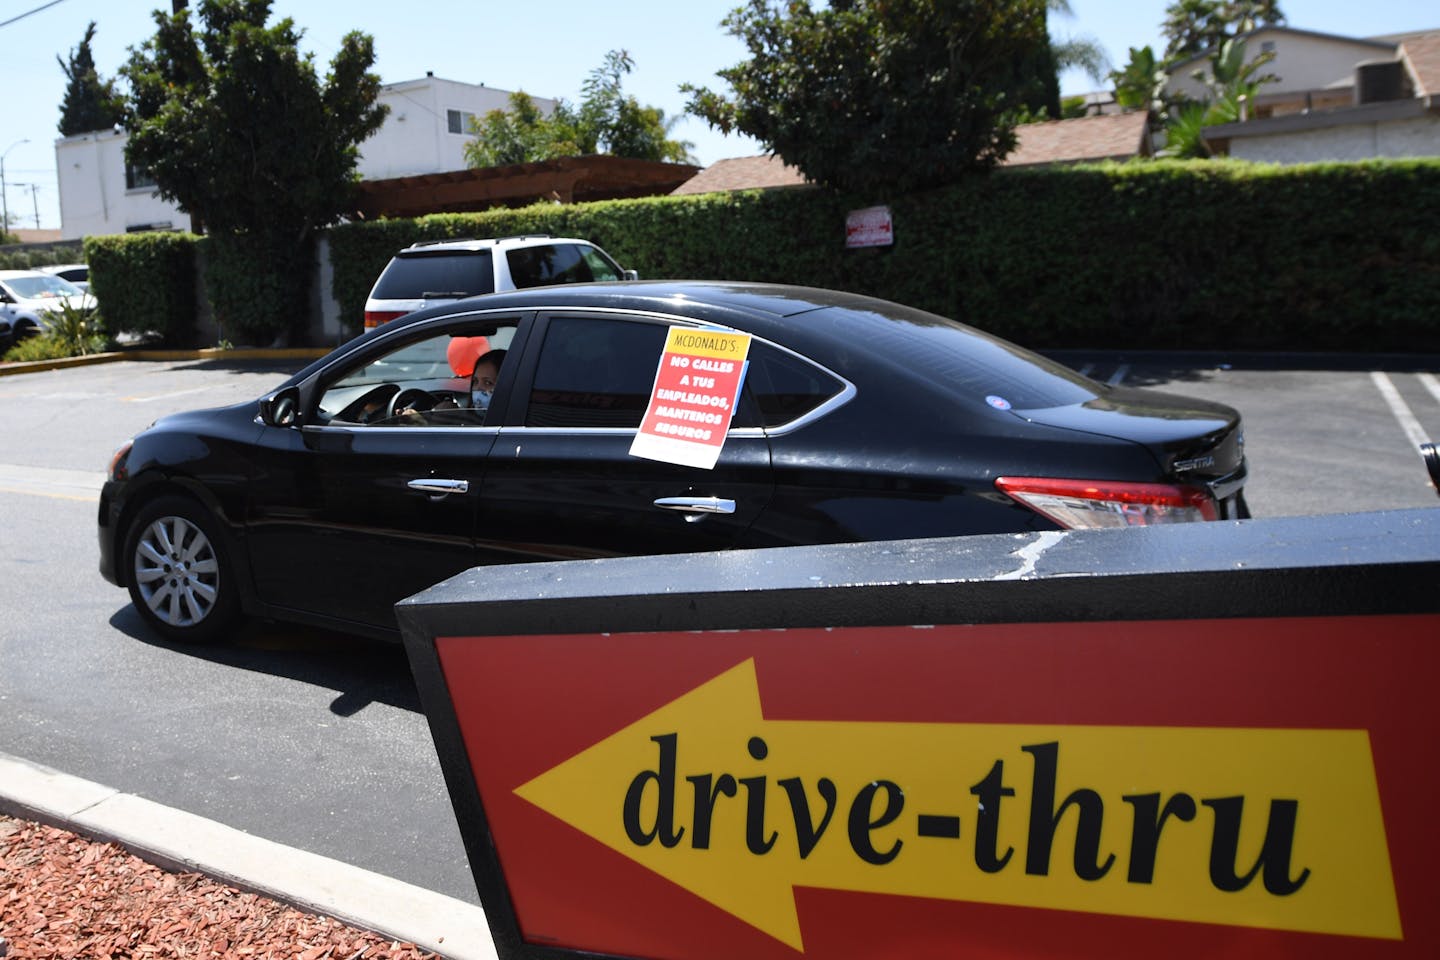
pixel 551 263
pixel 958 358
pixel 42 286
pixel 425 276
pixel 595 372
pixel 601 266
pixel 428 377
pixel 786 387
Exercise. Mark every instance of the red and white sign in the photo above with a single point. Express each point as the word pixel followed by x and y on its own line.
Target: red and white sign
pixel 693 401
pixel 869 227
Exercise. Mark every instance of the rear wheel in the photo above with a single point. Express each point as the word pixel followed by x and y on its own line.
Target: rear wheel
pixel 179 573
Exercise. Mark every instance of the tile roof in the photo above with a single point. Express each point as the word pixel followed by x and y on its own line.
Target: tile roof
pixel 1104 137
pixel 1422 53
pixel 742 173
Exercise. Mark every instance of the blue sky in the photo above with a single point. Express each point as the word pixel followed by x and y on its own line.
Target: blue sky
pixel 546 49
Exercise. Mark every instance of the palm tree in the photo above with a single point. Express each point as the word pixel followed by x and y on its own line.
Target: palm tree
pixel 1077 53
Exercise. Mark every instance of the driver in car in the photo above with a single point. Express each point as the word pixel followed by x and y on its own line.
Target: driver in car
pixel 468 409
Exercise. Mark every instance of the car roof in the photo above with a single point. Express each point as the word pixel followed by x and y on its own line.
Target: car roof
pixel 18 274
pixel 488 243
pixel 758 308
pixel 761 301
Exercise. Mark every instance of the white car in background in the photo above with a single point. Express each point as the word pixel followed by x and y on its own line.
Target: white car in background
pixel 76 273
pixel 29 297
pixel 431 272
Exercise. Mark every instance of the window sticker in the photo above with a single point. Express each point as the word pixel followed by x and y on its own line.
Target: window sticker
pixel 696 388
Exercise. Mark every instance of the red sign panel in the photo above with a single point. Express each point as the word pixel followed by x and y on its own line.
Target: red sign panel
pixel 1186 788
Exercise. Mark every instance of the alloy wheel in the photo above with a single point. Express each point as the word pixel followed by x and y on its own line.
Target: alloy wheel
pixel 177 571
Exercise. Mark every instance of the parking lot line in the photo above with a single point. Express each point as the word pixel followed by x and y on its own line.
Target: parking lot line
pixel 1430 383
pixel 51 482
pixel 165 396
pixel 1401 410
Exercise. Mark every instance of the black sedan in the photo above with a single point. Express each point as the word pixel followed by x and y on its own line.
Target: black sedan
pixel 359 481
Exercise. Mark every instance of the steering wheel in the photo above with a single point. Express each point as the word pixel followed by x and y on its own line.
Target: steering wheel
pixel 374 404
pixel 413 398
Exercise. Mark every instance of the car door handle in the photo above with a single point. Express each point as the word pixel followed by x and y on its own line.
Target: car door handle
pixel 696 505
pixel 439 487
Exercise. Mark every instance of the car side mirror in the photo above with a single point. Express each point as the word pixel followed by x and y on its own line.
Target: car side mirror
pixel 281 408
pixel 632 274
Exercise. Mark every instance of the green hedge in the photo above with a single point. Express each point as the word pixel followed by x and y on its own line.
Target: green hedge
pixel 1164 255
pixel 29 259
pixel 145 283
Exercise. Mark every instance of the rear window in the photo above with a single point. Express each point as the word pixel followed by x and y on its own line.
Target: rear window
pixel 424 276
pixel 784 386
pixel 965 360
pixel 547 264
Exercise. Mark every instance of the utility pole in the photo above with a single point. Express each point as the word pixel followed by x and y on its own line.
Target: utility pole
pixel 4 194
pixel 34 203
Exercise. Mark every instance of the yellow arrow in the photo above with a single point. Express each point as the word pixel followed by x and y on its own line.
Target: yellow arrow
pixel 1269 828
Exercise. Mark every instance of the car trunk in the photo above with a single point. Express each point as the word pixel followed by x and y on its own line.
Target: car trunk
pixel 1193 441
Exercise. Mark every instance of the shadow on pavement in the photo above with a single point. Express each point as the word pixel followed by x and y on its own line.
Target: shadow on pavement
pixel 361 671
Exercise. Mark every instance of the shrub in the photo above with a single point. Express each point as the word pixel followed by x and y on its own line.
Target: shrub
pixel 40 257
pixel 145 283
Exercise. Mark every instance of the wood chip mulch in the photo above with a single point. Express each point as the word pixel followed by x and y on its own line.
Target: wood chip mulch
pixel 63 896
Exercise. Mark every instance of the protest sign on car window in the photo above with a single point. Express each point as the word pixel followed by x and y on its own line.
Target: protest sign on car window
pixel 696 388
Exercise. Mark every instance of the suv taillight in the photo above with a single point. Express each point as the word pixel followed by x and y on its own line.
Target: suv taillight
pixel 1091 504
pixel 373 318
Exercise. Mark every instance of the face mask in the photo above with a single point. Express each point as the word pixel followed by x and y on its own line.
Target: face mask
pixel 480 399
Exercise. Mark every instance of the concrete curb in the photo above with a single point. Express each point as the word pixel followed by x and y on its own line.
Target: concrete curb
pixel 176 840
pixel 211 353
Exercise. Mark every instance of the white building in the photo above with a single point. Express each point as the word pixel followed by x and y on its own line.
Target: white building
pixel 425 132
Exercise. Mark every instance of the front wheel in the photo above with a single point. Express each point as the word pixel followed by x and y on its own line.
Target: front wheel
pixel 180 576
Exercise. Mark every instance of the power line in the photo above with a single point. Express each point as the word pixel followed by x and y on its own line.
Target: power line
pixel 28 12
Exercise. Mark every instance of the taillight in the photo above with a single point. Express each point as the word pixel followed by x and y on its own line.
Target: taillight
pixel 373 318
pixel 1091 504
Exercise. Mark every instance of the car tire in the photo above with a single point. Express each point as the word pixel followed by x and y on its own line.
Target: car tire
pixel 179 571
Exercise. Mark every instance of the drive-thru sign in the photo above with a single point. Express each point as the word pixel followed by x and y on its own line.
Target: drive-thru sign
pixel 1163 786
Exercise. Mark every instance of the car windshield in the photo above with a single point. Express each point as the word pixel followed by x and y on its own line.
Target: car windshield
pixel 42 286
pixel 436 276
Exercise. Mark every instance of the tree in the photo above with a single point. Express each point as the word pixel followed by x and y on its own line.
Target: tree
pixel 1140 84
pixel 236 127
pixel 881 97
pixel 1074 53
pixel 1231 82
pixel 1194 26
pixel 607 121
pixel 521 134
pixel 618 123
pixel 90 103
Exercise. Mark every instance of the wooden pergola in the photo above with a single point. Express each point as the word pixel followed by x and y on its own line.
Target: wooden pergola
pixel 565 180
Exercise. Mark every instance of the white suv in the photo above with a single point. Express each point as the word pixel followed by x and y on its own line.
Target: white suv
pixel 426 273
